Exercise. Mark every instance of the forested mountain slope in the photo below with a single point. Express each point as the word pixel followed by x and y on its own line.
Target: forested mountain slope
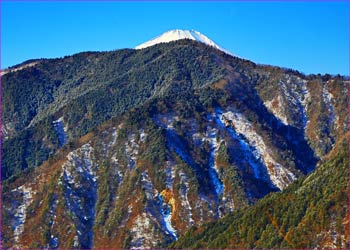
pixel 131 148
pixel 313 212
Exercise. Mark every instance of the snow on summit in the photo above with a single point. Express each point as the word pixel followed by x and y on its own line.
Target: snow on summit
pixel 174 35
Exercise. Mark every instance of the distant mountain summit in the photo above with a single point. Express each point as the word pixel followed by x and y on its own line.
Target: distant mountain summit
pixel 174 35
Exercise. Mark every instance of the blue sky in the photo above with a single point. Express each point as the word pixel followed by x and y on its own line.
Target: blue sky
pixel 312 37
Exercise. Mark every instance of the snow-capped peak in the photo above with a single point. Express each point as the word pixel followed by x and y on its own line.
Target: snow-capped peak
pixel 174 35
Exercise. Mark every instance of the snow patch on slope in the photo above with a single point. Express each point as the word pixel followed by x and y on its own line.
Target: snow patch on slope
pixel 279 175
pixel 7 130
pixel 304 101
pixel 21 210
pixel 147 186
pixel 170 174
pixel 156 207
pixel 54 241
pixel 143 135
pixel 248 151
pixel 292 97
pixel 80 161
pixel 174 35
pixel 213 169
pixel 61 131
pixel 166 121
pixel 297 95
pixel 131 150
pixel 174 141
pixel 328 97
pixel 107 141
pixel 183 191
pixel 114 137
pixel 142 233
pixel 276 107
pixel 80 192
pixel 167 214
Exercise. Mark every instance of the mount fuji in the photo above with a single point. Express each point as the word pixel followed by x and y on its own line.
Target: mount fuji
pixel 177 34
